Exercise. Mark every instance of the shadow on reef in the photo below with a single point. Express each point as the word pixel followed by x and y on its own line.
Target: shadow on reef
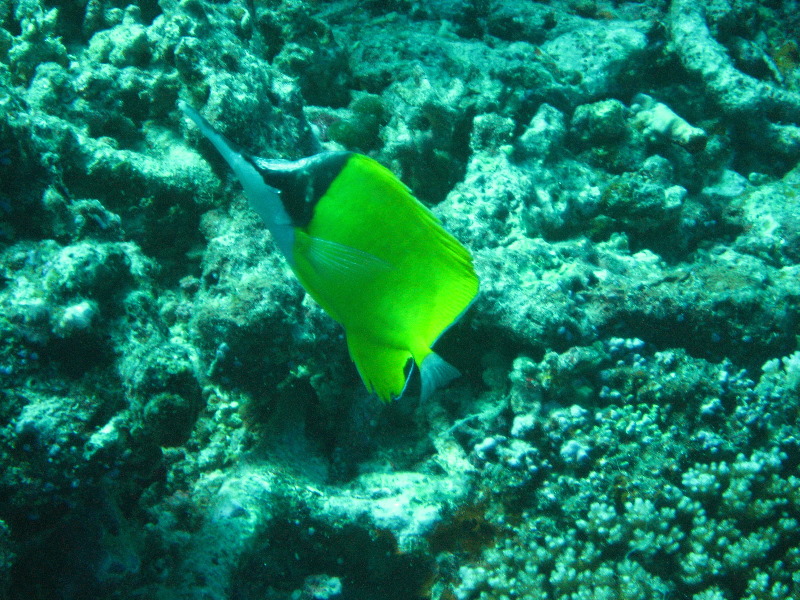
pixel 369 565
pixel 85 555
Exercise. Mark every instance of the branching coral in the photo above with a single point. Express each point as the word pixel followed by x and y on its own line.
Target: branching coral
pixel 764 106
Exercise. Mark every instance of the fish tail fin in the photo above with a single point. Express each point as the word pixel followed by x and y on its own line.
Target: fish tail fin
pixel 435 373
pixel 382 368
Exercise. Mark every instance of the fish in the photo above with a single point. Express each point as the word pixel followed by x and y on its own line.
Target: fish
pixel 367 251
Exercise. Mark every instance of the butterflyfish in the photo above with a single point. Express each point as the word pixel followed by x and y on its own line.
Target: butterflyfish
pixel 368 252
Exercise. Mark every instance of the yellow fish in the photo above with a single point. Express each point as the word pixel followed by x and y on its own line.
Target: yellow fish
pixel 367 251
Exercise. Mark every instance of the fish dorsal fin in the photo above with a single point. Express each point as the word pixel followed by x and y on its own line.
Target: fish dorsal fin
pixel 335 260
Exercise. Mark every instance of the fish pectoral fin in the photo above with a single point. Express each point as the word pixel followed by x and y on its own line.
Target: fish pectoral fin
pixel 338 260
pixel 383 369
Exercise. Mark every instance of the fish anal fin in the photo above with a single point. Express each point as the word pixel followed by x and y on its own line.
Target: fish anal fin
pixel 382 368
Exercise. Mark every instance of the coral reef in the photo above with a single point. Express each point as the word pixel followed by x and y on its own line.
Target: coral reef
pixel 179 421
pixel 647 493
pixel 767 104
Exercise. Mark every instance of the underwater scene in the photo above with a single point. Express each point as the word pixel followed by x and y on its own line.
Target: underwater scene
pixel 399 300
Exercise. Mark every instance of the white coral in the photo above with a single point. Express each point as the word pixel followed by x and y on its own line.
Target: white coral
pixel 659 121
